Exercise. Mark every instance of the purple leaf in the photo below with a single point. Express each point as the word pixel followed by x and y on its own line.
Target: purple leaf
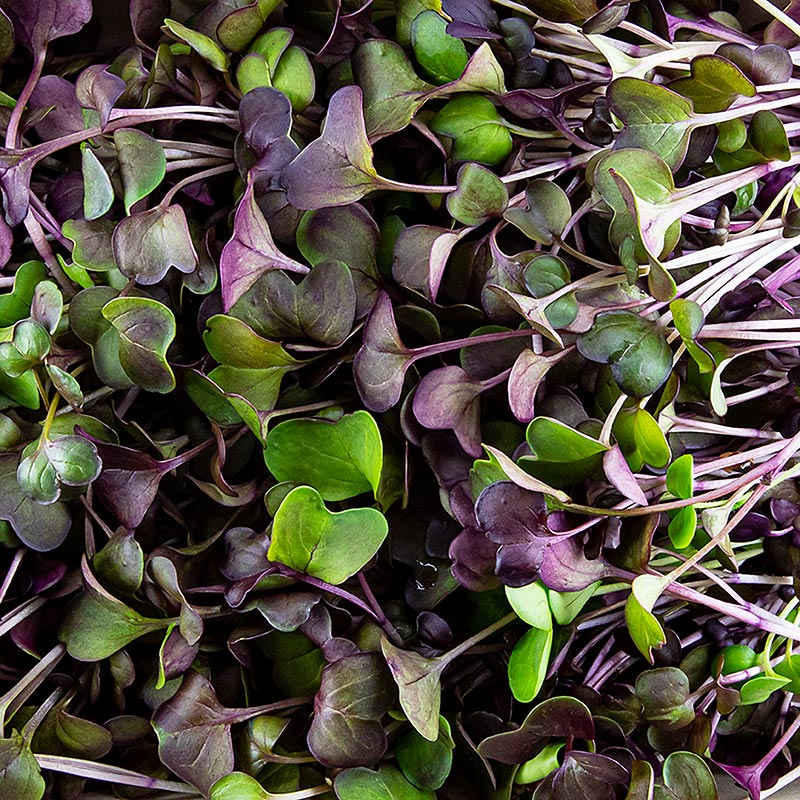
pixel 38 22
pixel 59 96
pixel 98 88
pixel 15 180
pixel 565 567
pixel 265 115
pixel 559 717
pixel 6 242
pixel 148 243
pixel 420 257
pixel 250 252
pixel 381 363
pixel 354 694
pixel 478 13
pixel 448 398
pixel 620 476
pixel 474 558
pixel 147 16
pixel 510 514
pixel 337 168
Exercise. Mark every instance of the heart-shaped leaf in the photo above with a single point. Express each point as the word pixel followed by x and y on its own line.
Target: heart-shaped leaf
pixel 547 214
pixel 339 459
pixel 39 23
pixel 635 347
pixel 250 252
pixel 142 164
pixel 331 546
pixel 479 195
pixel 337 168
pixel 146 328
pixel 387 783
pixel 148 243
pixel 714 84
pixel 321 307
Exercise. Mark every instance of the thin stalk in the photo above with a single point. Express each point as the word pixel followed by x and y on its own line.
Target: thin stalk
pixel 198 176
pixel 105 772
pixel 12 132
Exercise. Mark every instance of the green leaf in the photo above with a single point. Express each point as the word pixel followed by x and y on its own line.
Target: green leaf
pixel 688 777
pixel 546 761
pixel 528 663
pixel 339 459
pixel 547 214
pixel 768 136
pixel 682 527
pixel 146 328
pixel 387 783
pixel 689 319
pixel 419 687
pixel 544 275
pixel 40 527
pixel 654 118
pixel 120 563
pixel 97 625
pixel 294 76
pixel 567 605
pixel 635 347
pixel 479 195
pixel 20 777
pixel 16 304
pixel 714 84
pixel 393 92
pixel 238 786
pixel 644 629
pixel 426 764
pixel 331 546
pixel 530 604
pixel 477 130
pixel 203 45
pixel 651 443
pixel 680 477
pixel 142 164
pixel 561 455
pixel 756 690
pixel 441 56
pixel 98 193
pixel 92 240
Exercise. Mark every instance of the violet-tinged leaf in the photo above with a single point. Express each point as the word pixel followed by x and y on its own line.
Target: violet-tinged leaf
pixel 39 22
pixel 128 483
pixel 448 399
pixel 510 514
pixel 194 733
pixel 565 567
pixel 420 257
pixel 527 374
pixel 15 180
pixel 92 243
pixel 99 89
pixel 417 680
pixel 619 474
pixel 474 557
pixel 147 17
pixel 250 252
pixel 556 717
pixel 354 694
pixel 337 168
pixel 148 243
pixel 265 115
pixel 7 38
pixel 64 115
pixel 380 365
